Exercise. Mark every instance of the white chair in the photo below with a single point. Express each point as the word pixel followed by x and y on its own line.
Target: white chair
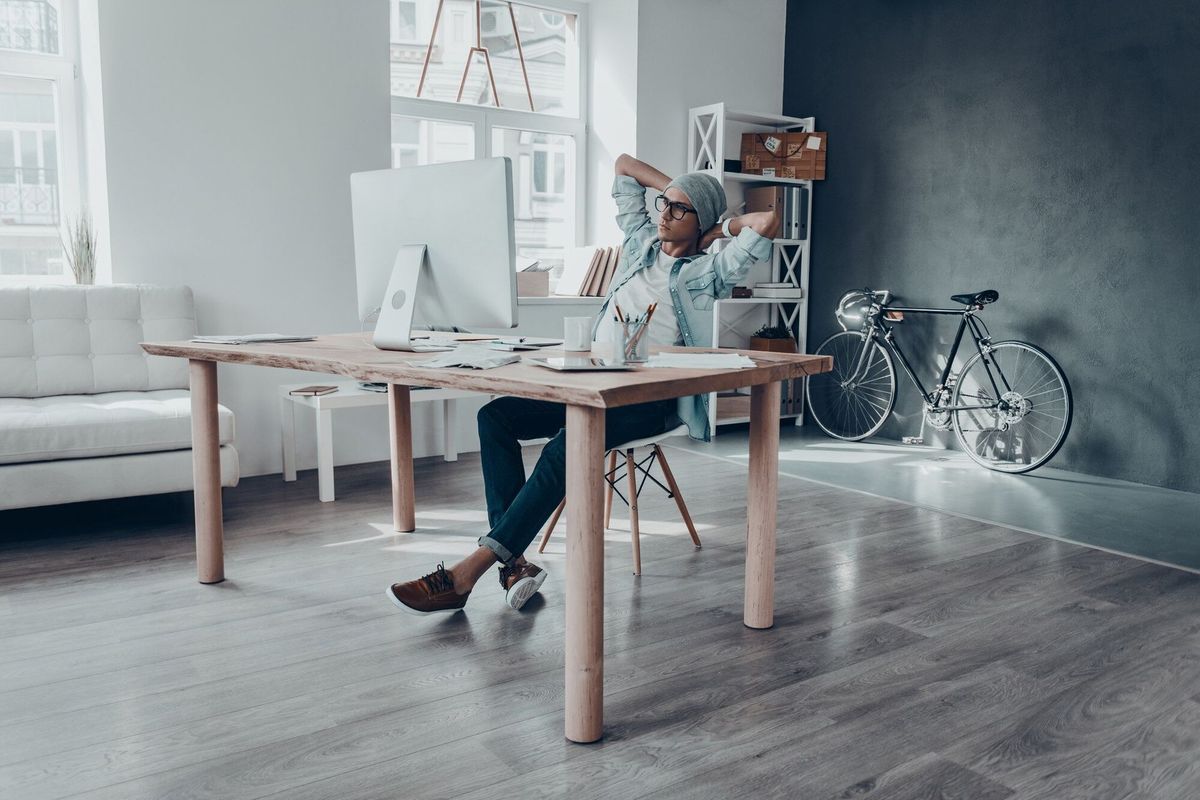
pixel 631 469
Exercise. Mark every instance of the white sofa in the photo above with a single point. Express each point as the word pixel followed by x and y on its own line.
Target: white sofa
pixel 85 413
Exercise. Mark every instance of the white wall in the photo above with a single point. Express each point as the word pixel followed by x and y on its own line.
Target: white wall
pixel 695 52
pixel 612 101
pixel 231 129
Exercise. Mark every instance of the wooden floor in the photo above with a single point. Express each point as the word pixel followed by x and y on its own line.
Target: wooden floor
pixel 914 655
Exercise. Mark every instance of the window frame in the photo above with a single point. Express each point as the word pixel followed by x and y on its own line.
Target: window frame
pixel 486 118
pixel 63 70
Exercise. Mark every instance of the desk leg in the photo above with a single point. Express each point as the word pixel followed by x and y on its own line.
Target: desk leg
pixel 206 472
pixel 762 500
pixel 287 436
pixel 449 432
pixel 585 574
pixel 404 516
pixel 324 454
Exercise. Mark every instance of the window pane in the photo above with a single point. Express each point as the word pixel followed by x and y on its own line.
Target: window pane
pixel 29 185
pixel 430 141
pixel 37 255
pixel 539 171
pixel 29 25
pixel 543 190
pixel 547 41
pixel 404 21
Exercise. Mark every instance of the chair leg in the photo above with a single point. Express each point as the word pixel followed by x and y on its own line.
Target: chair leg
pixel 633 512
pixel 687 518
pixel 608 493
pixel 550 527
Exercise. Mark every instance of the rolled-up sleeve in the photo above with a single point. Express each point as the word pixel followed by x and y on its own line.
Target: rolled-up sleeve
pixel 732 263
pixel 632 216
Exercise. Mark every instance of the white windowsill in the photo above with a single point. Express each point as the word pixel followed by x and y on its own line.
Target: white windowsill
pixel 565 300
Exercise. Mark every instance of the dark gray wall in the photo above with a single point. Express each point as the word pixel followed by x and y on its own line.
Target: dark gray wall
pixel 1048 150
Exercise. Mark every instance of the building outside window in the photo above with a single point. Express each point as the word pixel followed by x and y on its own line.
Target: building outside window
pixel 39 163
pixel 545 144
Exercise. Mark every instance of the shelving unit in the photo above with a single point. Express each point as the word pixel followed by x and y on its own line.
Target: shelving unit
pixel 714 134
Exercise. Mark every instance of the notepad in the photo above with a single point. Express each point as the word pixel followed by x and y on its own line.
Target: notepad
pixel 700 361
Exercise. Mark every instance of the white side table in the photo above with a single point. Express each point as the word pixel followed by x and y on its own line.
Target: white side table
pixel 349 395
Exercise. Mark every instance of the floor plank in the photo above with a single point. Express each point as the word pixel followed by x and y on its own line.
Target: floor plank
pixel 915 654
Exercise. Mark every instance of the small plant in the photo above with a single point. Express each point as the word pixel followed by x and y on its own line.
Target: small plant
pixel 79 245
pixel 772 332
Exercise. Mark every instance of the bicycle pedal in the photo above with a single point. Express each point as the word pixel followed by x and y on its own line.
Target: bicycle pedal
pixel 912 439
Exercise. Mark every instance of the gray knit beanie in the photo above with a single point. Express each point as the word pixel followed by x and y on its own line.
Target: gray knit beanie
pixel 706 194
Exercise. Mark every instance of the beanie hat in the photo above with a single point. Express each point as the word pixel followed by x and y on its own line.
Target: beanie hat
pixel 706 194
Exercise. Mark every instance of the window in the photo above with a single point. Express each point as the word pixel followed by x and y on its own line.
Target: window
pixel 39 167
pixel 543 168
pixel 536 123
pixel 417 141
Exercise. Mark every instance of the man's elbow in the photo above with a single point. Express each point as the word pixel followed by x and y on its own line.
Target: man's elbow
pixel 765 225
pixel 621 167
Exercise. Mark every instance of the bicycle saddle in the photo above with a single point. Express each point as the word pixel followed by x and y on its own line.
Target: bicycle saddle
pixel 977 298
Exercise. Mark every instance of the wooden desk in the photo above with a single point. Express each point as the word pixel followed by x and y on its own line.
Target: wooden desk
pixel 586 395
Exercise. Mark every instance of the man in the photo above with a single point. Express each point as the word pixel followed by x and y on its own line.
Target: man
pixel 664 264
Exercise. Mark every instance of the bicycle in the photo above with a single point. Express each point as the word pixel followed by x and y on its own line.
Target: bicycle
pixel 1010 405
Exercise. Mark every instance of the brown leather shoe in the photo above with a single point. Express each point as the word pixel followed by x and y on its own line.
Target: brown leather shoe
pixel 521 582
pixel 430 594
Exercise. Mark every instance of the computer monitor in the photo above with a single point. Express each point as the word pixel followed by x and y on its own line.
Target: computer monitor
pixel 434 246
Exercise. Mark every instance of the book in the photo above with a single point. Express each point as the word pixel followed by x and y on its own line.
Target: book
pixel 585 288
pixel 614 255
pixel 313 391
pixel 598 275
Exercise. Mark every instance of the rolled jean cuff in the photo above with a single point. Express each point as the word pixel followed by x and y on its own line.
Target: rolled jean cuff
pixel 500 550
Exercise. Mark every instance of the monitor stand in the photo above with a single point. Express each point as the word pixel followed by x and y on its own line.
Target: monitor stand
pixel 393 331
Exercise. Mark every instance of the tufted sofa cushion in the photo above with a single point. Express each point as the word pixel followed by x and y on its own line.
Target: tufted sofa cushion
pixel 57 340
pixel 109 424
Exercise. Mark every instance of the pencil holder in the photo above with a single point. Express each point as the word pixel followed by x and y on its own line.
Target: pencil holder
pixel 632 345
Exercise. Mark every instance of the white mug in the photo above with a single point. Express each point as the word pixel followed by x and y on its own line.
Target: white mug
pixel 577 334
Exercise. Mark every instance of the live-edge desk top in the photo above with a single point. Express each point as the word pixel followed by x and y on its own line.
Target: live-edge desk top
pixel 353 355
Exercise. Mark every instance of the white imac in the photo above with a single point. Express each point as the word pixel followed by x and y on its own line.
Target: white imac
pixel 434 246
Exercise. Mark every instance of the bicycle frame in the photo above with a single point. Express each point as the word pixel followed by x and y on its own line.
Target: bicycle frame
pixel 876 328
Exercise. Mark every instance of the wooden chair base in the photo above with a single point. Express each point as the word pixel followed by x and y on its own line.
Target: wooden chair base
pixel 632 467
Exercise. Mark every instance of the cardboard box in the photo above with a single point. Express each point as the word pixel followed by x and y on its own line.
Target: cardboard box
pixel 804 145
pixel 533 284
pixel 764 144
pixel 806 153
pixel 796 154
pixel 764 198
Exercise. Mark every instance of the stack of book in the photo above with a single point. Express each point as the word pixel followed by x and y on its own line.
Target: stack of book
pixel 600 272
pixel 778 291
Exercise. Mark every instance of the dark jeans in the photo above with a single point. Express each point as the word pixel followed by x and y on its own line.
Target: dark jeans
pixel 517 508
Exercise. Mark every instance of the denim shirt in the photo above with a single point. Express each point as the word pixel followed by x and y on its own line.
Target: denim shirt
pixel 695 282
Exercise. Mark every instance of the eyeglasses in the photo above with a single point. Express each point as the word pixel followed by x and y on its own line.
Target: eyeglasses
pixel 677 211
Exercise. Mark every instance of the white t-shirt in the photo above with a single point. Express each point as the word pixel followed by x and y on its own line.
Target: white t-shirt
pixel 649 285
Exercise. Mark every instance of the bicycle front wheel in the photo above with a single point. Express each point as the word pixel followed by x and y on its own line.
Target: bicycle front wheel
pixel 1019 408
pixel 854 400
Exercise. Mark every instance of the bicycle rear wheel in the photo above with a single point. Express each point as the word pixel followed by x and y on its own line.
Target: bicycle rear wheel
pixel 1025 411
pixel 854 400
